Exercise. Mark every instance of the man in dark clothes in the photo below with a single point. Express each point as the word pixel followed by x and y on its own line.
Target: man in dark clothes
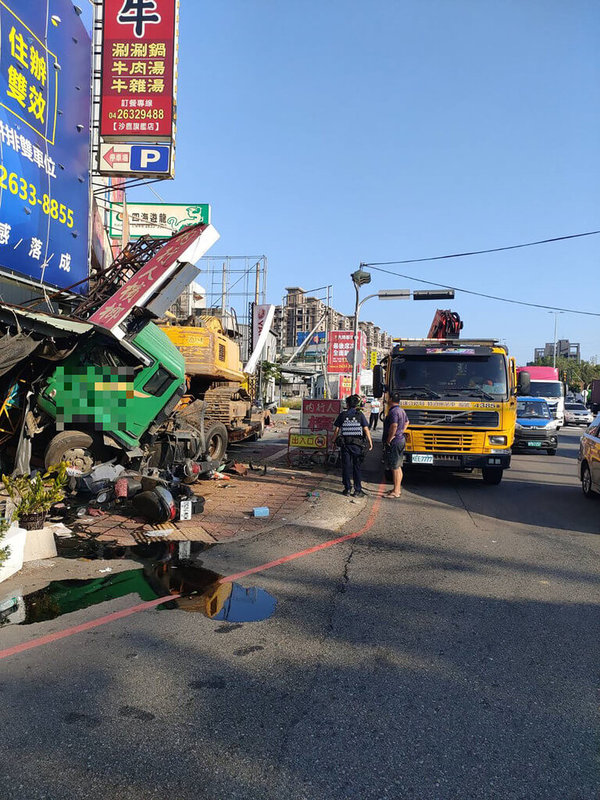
pixel 353 430
pixel 395 423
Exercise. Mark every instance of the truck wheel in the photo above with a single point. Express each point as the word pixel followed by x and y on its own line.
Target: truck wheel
pixel 76 447
pixel 492 475
pixel 216 441
pixel 551 452
pixel 586 481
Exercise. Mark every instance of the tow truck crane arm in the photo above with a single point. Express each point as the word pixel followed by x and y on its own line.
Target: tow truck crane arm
pixel 446 325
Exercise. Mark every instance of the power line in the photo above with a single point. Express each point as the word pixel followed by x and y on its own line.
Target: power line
pixel 481 294
pixel 478 252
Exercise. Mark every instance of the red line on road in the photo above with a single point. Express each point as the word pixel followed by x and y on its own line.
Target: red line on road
pixel 368 524
pixel 116 615
pixel 85 626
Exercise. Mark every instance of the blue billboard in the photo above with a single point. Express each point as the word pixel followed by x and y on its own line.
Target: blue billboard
pixel 315 339
pixel 45 75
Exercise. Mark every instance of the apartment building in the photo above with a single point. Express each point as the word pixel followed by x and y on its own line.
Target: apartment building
pixel 300 313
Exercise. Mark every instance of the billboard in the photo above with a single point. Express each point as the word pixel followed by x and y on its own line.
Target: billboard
pixel 188 246
pixel 316 339
pixel 339 356
pixel 45 74
pixel 159 220
pixel 138 69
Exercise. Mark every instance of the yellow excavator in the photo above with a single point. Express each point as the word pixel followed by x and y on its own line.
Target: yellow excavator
pixel 216 379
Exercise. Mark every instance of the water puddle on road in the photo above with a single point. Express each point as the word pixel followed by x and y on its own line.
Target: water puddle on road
pixel 164 574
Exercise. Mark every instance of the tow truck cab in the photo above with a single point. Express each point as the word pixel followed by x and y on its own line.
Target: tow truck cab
pixel 460 401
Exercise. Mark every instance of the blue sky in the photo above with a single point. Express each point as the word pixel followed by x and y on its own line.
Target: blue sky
pixel 329 132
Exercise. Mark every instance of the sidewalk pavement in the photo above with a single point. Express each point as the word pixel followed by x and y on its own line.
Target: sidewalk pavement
pixel 228 511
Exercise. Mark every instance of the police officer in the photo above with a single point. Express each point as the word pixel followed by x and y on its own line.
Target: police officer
pixel 351 433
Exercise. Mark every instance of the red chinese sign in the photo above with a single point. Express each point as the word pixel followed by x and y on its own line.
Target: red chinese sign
pixel 345 386
pixel 341 345
pixel 319 415
pixel 145 283
pixel 138 68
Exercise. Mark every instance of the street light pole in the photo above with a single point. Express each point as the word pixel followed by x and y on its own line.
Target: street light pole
pixel 359 278
pixel 556 313
pixel 355 342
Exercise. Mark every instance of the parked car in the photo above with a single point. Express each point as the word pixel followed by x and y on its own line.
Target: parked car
pixel 588 461
pixel 536 428
pixel 577 414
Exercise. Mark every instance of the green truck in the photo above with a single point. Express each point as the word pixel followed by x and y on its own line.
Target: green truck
pixel 73 390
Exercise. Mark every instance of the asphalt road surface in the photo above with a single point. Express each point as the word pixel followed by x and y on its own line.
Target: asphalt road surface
pixel 449 652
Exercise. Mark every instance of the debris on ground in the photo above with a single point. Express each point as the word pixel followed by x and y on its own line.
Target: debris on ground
pixel 260 511
pixel 235 468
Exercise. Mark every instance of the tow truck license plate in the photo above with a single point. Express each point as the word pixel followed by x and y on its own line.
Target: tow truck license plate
pixel 422 458
pixel 534 444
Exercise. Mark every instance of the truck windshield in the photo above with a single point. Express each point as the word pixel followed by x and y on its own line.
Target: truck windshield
pixel 474 376
pixel 546 389
pixel 538 410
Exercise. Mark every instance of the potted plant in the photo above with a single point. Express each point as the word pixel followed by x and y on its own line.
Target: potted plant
pixel 34 496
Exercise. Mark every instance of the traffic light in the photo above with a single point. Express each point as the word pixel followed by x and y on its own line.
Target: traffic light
pixel 433 294
pixel 563 375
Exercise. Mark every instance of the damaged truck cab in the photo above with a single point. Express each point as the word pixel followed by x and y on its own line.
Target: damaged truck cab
pixel 111 393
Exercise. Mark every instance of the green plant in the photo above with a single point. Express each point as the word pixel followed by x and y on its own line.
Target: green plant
pixel 37 494
pixel 4 551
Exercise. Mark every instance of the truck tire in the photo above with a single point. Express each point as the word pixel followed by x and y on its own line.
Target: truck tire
pixel 492 475
pixel 216 441
pixel 78 448
pixel 552 452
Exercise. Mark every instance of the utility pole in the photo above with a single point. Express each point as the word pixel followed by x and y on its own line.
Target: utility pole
pixel 556 313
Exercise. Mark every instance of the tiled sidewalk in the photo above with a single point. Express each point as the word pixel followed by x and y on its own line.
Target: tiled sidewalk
pixel 227 512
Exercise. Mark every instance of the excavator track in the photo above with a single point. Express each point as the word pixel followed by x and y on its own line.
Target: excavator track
pixel 224 404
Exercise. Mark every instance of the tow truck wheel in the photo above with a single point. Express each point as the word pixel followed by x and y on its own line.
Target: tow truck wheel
pixel 76 447
pixel 492 475
pixel 216 441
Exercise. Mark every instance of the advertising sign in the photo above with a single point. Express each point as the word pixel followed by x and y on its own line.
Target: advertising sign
pixel 159 220
pixel 341 344
pixel 45 73
pixel 260 314
pixel 189 245
pixel 315 339
pixel 138 68
pixel 319 415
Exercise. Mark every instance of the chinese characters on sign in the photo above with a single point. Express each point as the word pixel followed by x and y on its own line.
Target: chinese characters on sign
pixel 310 441
pixel 341 345
pixel 143 284
pixel 138 68
pixel 319 415
pixel 44 153
pixel 31 90
pixel 159 220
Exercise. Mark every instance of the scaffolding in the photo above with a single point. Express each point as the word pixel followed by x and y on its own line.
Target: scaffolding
pixel 233 284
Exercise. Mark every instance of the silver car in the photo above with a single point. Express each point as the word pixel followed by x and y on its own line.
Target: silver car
pixel 578 414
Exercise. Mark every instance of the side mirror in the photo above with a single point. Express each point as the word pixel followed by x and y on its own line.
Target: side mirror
pixel 378 385
pixel 523 383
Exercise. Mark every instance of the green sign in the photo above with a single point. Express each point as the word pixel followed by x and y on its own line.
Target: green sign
pixel 158 220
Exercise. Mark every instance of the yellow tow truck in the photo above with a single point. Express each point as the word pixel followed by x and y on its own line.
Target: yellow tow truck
pixel 460 398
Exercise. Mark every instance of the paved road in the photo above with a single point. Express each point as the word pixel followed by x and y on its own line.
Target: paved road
pixel 450 652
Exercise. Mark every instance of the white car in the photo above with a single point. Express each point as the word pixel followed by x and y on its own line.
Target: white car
pixel 578 414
